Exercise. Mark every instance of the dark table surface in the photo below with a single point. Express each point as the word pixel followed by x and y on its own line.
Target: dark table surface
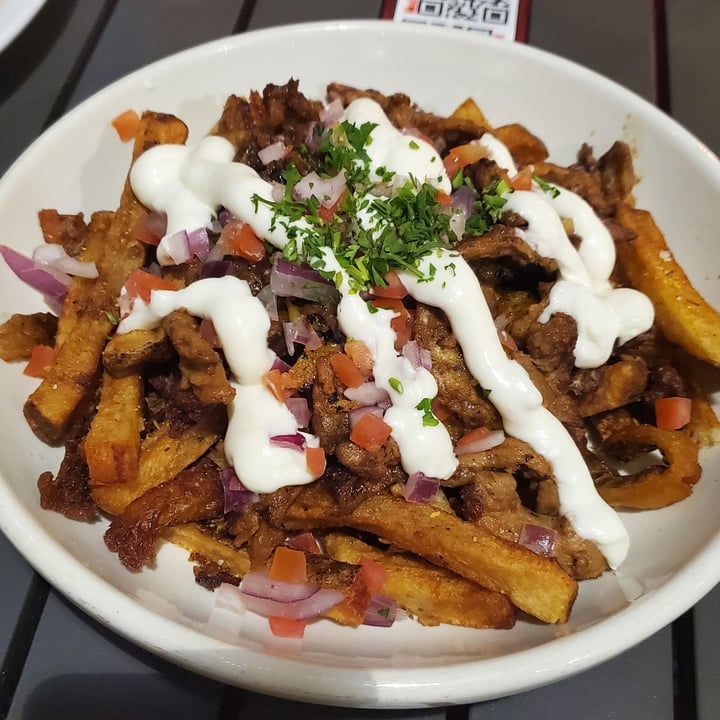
pixel 59 663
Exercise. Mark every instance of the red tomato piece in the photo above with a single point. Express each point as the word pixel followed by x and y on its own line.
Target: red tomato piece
pixel 288 565
pixel 370 432
pixel 287 627
pixel 41 360
pixel 672 413
pixel 126 125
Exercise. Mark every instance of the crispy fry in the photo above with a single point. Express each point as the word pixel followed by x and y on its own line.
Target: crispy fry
pixel 432 594
pixel 112 445
pixel 682 313
pixel 70 231
pixel 162 457
pixel 656 486
pixel 470 110
pixel 534 584
pixel 128 351
pixel 208 547
pixel 525 147
pixel 20 333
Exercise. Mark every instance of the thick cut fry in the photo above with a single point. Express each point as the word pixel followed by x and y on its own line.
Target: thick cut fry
pixel 525 147
pixel 91 304
pixel 112 445
pixel 21 333
pixel 128 351
pixel 432 594
pixel 206 547
pixel 682 313
pixel 534 584
pixel 162 457
pixel 469 110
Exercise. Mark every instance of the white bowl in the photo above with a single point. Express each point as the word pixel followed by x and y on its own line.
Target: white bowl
pixel 79 164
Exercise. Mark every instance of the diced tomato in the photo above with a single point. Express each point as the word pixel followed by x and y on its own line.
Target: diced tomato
pixel 127 125
pixel 374 575
pixel 346 370
pixel 473 436
pixel 523 180
pixel 42 358
pixel 241 240
pixel 370 432
pixel 279 384
pixel 461 156
pixel 328 213
pixel 394 288
pixel 287 627
pixel 402 323
pixel 315 458
pixel 288 565
pixel 361 356
pixel 443 199
pixel 672 413
pixel 440 410
pixel 141 283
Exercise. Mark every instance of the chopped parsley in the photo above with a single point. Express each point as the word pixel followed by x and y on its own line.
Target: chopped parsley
pixel 396 385
pixel 370 233
pixel 384 612
pixel 425 406
pixel 546 186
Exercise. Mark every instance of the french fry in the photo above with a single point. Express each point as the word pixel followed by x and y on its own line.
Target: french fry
pixel 112 445
pixel 470 110
pixel 206 547
pixel 535 584
pixel 432 594
pixel 129 351
pixel 162 457
pixel 525 147
pixel 682 314
pixel 92 304
pixel 20 333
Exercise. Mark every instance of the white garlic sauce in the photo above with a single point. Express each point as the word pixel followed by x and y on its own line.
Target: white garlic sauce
pixel 189 184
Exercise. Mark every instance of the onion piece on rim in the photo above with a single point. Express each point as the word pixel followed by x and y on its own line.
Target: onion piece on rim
pixel 260 584
pixel 313 606
pixel 55 257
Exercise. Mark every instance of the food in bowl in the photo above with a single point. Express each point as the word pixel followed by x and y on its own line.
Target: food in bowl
pixel 354 356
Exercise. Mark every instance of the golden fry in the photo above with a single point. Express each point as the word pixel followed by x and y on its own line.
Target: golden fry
pixel 533 583
pixel 128 351
pixel 432 594
pixel 112 445
pixel 21 333
pixel 682 313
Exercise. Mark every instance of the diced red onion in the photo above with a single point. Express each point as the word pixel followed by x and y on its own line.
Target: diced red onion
pixel 381 611
pixel 314 135
pixel 260 584
pixel 507 340
pixel 300 409
pixel 420 488
pixel 51 284
pixel 417 355
pixel 540 540
pixel 327 190
pixel 215 269
pixel 304 541
pixel 224 217
pixel 491 440
pixel 332 112
pixel 313 606
pixel 279 364
pixel 55 257
pixel 358 413
pixel 277 192
pixel 277 151
pixel 463 199
pixel 177 247
pixel 368 394
pixel 296 441
pixel 300 281
pixel 269 300
pixel 300 331
pixel 199 243
pixel 237 496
